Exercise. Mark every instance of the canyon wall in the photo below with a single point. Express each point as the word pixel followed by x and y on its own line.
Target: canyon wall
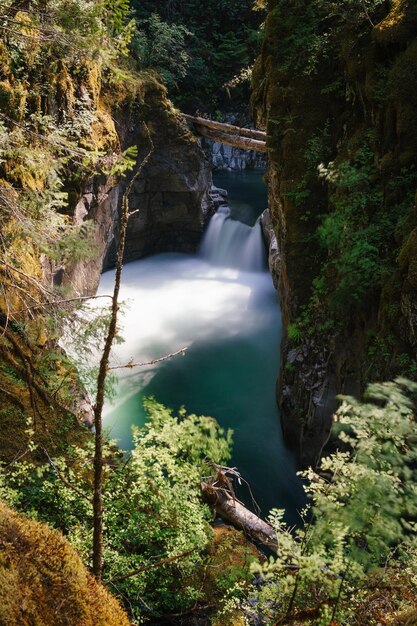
pixel 335 89
pixel 169 200
pixel 62 183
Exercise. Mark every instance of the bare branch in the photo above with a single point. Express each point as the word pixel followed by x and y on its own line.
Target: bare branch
pixel 130 365
pixel 57 144
pixel 59 302
pixel 102 374
pixel 145 568
pixel 63 479
pixel 27 276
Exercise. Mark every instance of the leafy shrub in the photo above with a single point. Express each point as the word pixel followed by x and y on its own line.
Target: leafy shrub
pixel 363 500
pixel 152 504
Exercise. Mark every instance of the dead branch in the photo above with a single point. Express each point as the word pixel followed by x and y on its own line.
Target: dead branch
pixel 44 305
pixel 102 374
pixel 63 479
pixel 57 144
pixel 130 365
pixel 27 276
pixel 145 568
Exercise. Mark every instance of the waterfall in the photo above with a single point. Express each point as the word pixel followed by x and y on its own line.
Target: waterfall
pixel 228 320
pixel 230 243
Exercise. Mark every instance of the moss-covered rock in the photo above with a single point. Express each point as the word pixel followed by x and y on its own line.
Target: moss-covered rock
pixel 43 581
pixel 335 85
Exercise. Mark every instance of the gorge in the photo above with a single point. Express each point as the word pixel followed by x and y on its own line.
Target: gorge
pixel 94 103
pixel 222 308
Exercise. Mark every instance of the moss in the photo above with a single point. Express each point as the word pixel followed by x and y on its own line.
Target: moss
pixel 13 97
pixel 104 136
pixel 43 581
pixel 231 618
pixel 230 555
pixel 64 89
pixel 29 45
pixel 5 61
pixel 406 618
pixel 403 75
pixel 92 80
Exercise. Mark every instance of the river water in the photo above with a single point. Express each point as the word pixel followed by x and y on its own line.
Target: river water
pixel 221 306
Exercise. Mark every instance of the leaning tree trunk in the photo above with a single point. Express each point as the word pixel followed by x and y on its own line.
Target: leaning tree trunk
pixel 244 143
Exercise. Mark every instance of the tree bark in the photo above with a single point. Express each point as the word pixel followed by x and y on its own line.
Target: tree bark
pixel 252 133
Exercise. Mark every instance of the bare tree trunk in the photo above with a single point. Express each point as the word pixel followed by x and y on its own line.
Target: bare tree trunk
pixel 101 379
pixel 233 511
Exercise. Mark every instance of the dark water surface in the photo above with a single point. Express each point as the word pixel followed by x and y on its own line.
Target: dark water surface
pixel 247 193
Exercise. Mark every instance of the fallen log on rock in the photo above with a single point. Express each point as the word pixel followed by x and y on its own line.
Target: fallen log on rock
pixel 218 492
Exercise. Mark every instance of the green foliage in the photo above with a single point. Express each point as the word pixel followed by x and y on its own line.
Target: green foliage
pixel 317 150
pixel 363 500
pixel 360 231
pixel 162 47
pixel 224 41
pixel 310 34
pixel 152 502
pixel 294 333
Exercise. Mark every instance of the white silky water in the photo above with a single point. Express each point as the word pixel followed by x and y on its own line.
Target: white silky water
pixel 223 308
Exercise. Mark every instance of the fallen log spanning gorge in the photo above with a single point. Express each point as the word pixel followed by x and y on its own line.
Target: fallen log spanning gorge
pixel 244 138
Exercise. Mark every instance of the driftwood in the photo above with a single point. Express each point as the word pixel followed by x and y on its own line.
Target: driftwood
pixel 218 492
pixel 252 133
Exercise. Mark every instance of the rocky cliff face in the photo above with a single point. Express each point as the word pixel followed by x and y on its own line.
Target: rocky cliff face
pixel 333 87
pixel 169 201
pixel 63 122
pixel 229 158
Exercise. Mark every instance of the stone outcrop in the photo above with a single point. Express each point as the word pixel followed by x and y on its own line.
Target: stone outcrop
pixel 218 197
pixel 169 201
pixel 274 259
pixel 229 158
pixel 348 101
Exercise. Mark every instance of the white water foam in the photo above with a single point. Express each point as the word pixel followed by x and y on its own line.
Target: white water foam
pixel 172 301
